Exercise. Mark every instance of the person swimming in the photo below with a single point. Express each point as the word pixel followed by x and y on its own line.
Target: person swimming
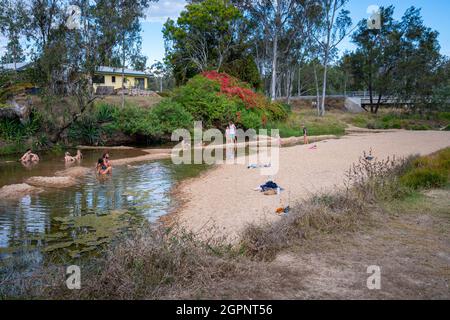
pixel 102 168
pixel 26 156
pixel 30 157
pixel 79 156
pixel 68 158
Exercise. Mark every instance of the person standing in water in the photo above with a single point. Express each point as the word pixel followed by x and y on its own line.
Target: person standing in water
pixel 102 168
pixel 106 160
pixel 79 155
pixel 68 158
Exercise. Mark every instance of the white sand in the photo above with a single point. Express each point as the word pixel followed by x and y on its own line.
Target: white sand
pixel 223 198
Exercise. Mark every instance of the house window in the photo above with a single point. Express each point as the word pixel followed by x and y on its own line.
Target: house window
pixel 113 79
pixel 98 79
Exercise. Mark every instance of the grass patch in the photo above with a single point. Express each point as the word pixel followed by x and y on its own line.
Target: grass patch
pixel 330 124
pixel 388 119
pixel 429 172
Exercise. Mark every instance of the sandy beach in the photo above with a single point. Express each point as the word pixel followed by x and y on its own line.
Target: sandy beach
pixel 222 202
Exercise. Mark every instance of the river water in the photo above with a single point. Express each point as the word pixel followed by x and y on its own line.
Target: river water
pixel 76 220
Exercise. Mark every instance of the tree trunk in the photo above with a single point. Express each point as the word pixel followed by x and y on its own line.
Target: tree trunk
pixel 123 70
pixel 317 90
pixel 289 83
pixel 324 88
pixel 378 103
pixel 273 92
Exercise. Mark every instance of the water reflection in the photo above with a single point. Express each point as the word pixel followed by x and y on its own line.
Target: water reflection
pixel 142 189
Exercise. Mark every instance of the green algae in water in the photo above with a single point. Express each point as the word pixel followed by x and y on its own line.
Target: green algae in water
pixel 78 235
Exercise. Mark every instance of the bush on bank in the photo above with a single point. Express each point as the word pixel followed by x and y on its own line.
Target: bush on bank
pixel 213 98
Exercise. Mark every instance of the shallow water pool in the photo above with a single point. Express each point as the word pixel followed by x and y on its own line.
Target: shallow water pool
pixel 79 219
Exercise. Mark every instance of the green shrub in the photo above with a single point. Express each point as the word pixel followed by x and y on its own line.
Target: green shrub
pixel 86 130
pixel 14 130
pixel 207 101
pixel 104 112
pixel 168 116
pixel 157 123
pixel 200 97
pixel 428 172
pixel 425 178
pixel 250 120
pixel 132 120
pixel 164 94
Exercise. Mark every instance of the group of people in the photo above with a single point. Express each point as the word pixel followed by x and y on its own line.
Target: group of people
pixel 104 165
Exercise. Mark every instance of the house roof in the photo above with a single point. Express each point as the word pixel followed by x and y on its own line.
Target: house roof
pixel 18 66
pixel 118 71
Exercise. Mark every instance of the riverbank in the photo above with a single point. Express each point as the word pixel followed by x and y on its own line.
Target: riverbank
pixel 222 202
pixel 321 250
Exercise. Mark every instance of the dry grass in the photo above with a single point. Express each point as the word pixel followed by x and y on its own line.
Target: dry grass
pixel 143 102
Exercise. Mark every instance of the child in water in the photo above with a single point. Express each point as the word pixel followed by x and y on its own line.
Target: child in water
pixel 79 155
pixel 102 168
pixel 106 161
pixel 68 158
pixel 29 157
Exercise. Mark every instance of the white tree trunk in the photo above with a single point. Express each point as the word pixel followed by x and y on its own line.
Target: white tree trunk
pixel 123 71
pixel 273 89
pixel 324 89
pixel 317 90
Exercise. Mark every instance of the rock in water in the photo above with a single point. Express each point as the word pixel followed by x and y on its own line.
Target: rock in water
pixel 52 182
pixel 17 191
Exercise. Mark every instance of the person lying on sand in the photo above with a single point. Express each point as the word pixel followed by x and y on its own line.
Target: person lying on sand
pixel 102 169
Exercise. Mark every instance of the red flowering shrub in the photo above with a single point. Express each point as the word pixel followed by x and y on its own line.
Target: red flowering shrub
pixel 232 87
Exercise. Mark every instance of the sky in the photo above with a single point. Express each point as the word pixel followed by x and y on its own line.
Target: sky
pixel 436 14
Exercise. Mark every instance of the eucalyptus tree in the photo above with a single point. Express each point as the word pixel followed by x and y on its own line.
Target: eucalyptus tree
pixel 401 60
pixel 13 22
pixel 377 53
pixel 332 26
pixel 277 22
pixel 207 35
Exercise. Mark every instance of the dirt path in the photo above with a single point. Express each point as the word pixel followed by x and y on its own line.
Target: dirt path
pixel 223 201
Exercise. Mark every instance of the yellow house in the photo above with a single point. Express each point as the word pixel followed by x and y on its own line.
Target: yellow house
pixel 112 77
